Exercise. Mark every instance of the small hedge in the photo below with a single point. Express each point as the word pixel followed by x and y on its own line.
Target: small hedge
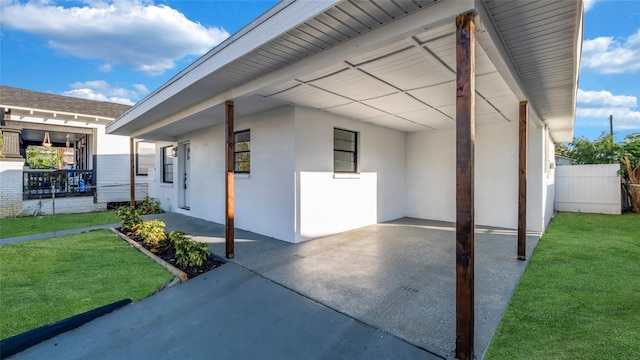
pixel 188 252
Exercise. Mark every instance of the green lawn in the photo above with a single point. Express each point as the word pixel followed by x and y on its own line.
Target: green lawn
pixel 579 297
pixel 41 224
pixel 47 280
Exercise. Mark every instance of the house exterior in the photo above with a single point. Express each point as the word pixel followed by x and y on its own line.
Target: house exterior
pixel 324 116
pixel 94 170
pixel 386 74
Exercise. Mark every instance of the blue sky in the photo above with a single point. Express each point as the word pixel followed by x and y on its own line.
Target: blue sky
pixel 120 50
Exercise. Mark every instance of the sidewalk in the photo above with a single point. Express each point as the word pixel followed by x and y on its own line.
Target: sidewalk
pixel 19 239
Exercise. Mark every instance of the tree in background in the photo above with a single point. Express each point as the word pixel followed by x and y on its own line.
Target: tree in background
pixel 603 150
pixel 39 157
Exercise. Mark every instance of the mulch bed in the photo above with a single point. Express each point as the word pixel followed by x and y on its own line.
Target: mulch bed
pixel 168 254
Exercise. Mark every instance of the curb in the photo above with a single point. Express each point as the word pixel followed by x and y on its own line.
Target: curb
pixel 15 344
pixel 172 269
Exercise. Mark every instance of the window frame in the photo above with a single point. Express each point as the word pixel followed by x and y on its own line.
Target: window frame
pixel 165 164
pixel 237 152
pixel 355 152
pixel 152 156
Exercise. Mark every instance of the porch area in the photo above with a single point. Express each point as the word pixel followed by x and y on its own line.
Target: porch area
pixel 397 276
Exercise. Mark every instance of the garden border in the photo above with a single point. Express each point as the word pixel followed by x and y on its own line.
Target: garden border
pixel 172 269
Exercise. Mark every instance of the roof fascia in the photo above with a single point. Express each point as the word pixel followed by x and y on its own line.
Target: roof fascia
pixel 32 111
pixel 435 15
pixel 492 44
pixel 279 19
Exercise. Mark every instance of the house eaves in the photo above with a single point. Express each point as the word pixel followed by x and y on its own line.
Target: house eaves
pixel 297 37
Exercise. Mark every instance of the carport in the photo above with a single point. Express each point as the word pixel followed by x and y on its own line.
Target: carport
pixel 426 68
pixel 397 276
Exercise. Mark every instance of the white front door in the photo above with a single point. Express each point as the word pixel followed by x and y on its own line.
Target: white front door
pixel 186 186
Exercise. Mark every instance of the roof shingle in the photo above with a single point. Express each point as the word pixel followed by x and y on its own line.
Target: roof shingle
pixel 10 96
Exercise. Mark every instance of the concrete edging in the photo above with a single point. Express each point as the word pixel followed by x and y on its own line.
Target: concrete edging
pixel 172 269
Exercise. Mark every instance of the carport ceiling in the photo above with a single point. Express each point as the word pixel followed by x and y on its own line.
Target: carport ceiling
pixel 408 85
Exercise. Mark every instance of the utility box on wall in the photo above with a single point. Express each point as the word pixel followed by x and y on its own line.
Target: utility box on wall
pixel 588 188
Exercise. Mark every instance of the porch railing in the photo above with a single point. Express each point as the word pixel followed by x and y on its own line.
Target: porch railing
pixel 38 184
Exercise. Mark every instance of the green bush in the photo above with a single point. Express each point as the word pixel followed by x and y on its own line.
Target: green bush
pixel 152 233
pixel 149 205
pixel 129 217
pixel 188 251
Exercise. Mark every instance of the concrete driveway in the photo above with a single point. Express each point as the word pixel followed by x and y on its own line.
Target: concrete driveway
pixel 379 292
pixel 397 276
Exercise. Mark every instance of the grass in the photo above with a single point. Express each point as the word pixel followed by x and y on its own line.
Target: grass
pixel 579 297
pixel 29 225
pixel 48 280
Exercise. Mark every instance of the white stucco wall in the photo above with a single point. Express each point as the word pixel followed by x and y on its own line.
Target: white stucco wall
pixel 264 199
pixel 550 179
pixel 431 170
pixel 328 203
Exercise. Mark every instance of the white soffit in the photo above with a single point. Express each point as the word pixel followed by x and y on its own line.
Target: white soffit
pixel 339 58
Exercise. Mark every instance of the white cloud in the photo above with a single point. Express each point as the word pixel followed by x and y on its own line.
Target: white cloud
pixel 588 4
pixel 596 106
pixel 606 55
pixel 105 68
pixel 101 90
pixel 605 98
pixel 136 34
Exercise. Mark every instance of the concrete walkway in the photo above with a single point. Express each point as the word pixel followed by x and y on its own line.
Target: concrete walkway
pixel 19 239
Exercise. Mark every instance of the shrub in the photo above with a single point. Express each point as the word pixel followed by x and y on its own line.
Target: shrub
pixel 129 217
pixel 149 205
pixel 152 233
pixel 188 251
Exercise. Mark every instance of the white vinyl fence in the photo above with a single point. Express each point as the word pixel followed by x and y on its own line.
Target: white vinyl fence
pixel 588 188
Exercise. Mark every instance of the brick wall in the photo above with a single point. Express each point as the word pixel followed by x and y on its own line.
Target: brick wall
pixel 10 187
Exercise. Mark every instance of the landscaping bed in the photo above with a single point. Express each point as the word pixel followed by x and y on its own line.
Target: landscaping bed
pixel 168 254
pixel 175 248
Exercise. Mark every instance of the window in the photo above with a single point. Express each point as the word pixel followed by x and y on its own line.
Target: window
pixel 242 152
pixel 145 157
pixel 167 165
pixel 345 151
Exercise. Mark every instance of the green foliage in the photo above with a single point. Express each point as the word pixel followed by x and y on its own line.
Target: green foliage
pixel 578 297
pixel 51 279
pixel 129 217
pixel 39 157
pixel 1 154
pixel 604 150
pixel 188 251
pixel 149 205
pixel 28 225
pixel 152 232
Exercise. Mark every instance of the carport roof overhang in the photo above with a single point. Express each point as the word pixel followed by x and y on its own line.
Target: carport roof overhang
pixel 387 63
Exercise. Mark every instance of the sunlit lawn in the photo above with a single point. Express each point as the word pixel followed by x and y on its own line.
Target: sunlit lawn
pixel 43 281
pixel 579 297
pixel 42 224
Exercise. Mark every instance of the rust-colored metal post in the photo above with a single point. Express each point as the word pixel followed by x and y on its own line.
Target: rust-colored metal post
pixel 229 185
pixel 522 180
pixel 132 172
pixel 465 225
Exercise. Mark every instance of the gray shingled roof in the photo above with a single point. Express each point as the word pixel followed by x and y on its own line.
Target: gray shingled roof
pixel 10 96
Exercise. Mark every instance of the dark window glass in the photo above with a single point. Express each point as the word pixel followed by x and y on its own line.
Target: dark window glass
pixel 345 151
pixel 242 152
pixel 167 165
